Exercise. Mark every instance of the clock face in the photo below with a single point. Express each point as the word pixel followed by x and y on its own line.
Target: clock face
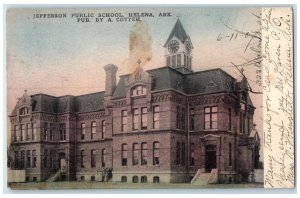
pixel 173 46
pixel 188 47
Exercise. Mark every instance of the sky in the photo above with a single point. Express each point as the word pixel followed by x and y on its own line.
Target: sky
pixel 65 57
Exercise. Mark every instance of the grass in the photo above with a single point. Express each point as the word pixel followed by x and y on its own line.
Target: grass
pixel 101 185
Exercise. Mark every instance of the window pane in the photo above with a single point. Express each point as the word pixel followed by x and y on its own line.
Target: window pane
pixel 214 109
pixel 207 109
pixel 214 125
pixel 214 117
pixel 207 125
pixel 207 117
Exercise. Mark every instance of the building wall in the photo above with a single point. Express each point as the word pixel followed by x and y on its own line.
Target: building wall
pixel 174 163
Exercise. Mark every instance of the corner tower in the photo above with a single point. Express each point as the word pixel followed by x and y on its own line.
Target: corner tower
pixel 178 49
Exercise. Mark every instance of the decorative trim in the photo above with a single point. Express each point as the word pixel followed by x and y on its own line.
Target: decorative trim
pixel 119 103
pixel 93 116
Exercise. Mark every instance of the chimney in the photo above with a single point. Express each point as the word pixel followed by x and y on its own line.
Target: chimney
pixel 110 82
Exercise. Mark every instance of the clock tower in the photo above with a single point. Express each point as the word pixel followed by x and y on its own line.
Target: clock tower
pixel 178 49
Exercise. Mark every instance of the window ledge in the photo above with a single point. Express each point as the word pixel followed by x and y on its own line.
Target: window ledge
pixel 139 96
pixel 210 129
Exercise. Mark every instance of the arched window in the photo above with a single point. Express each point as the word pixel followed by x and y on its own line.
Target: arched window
pixel 138 90
pixel 135 179
pixel 103 129
pixel 135 157
pixel 82 131
pixel 156 179
pixel 144 179
pixel 24 111
pixel 28 159
pixel 34 159
pixel 103 158
pixel 93 158
pixel 124 154
pixel 144 154
pixel 230 160
pixel 124 179
pixel 155 153
pixel 82 158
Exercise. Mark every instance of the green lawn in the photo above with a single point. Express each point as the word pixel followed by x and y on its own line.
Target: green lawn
pixel 100 185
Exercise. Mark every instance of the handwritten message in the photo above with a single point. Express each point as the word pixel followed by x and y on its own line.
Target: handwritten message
pixel 278 115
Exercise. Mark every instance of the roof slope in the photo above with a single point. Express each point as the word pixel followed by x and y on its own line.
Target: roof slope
pixel 178 31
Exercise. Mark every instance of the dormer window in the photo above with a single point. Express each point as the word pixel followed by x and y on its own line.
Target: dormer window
pixel 24 111
pixel 139 90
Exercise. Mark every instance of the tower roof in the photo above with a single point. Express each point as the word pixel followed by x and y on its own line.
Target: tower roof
pixel 178 31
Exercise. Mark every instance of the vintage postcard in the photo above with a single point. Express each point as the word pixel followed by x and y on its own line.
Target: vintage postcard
pixel 149 97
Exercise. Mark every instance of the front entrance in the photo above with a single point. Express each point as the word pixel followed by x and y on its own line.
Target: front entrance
pixel 210 158
pixel 62 161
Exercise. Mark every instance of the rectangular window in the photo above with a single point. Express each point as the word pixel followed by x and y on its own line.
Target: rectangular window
pixel 168 61
pixel 183 153
pixel 192 154
pixel 51 159
pixel 241 122
pixel 156 117
pixel 34 159
pixel 103 129
pixel 192 119
pixel 185 62
pixel 210 117
pixel 124 120
pixel 93 130
pixel 28 163
pixel 103 157
pixel 144 118
pixel 23 132
pixel 93 158
pixel 144 154
pixel 178 59
pixel 15 137
pixel 229 119
pixel 230 160
pixel 155 153
pixel 51 131
pixel 62 132
pixel 124 154
pixel 27 131
pixel 82 131
pixel 139 90
pixel 178 117
pixel 183 119
pixel 22 159
pixel 45 131
pixel 82 153
pixel 16 160
pixel 178 153
pixel 248 125
pixel 135 120
pixel 135 156
pixel 33 131
pixel 174 61
pixel 45 158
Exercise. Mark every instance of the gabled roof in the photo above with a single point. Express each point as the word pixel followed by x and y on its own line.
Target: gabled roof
pixel 179 32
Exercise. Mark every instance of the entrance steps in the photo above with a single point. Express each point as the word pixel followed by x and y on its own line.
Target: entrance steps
pixel 203 178
pixel 54 177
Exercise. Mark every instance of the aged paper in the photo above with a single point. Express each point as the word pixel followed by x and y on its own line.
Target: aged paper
pixel 278 80
pixel 150 97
